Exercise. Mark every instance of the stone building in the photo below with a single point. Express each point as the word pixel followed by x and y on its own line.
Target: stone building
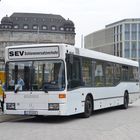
pixel 29 28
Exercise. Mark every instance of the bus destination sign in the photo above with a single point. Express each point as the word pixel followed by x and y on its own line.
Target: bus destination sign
pixel 33 52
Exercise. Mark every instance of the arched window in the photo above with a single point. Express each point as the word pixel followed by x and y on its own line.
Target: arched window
pixel 67 29
pixel 35 27
pixel 61 28
pixel 53 28
pixel 25 26
pixel 16 26
pixel 44 27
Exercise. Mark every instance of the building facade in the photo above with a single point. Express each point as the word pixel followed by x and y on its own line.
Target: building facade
pixel 121 38
pixel 29 28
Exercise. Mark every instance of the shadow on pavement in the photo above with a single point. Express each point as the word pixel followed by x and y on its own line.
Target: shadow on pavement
pixel 64 119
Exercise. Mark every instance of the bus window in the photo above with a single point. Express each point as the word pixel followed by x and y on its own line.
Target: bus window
pixel 135 74
pixel 87 71
pixel 73 73
pixel 109 72
pixel 48 75
pixel 99 74
pixel 125 73
pixel 18 70
pixel 117 73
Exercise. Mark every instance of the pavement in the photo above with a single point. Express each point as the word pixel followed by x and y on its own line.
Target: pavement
pixel 4 117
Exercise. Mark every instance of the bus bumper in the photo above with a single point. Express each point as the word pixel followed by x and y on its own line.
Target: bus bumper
pixel 45 112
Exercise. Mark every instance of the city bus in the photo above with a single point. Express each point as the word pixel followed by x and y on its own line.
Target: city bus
pixel 63 80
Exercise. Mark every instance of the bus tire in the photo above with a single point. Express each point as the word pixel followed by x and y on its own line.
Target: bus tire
pixel 125 101
pixel 88 108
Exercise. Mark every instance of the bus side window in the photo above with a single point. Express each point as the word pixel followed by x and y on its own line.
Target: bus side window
pixel 99 74
pixel 125 73
pixel 117 73
pixel 73 72
pixel 87 73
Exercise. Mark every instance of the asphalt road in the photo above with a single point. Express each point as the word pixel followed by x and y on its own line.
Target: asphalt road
pixel 108 124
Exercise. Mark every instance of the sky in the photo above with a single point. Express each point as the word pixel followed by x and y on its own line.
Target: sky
pixel 87 15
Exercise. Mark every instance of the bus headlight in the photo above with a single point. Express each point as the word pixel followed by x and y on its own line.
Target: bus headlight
pixel 53 106
pixel 10 106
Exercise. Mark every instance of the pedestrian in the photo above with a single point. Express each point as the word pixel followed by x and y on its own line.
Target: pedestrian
pixel 20 81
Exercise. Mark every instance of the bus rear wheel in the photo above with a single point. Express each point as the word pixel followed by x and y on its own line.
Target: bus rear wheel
pixel 125 101
pixel 88 107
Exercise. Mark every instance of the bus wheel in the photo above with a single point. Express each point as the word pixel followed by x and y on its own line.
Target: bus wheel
pixel 88 107
pixel 125 101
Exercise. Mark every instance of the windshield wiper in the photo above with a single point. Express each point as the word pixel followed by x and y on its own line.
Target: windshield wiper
pixel 45 87
pixel 17 88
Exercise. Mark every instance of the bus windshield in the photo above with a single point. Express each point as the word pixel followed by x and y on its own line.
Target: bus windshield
pixel 35 76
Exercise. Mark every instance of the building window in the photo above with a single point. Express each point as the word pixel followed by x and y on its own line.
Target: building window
pixel 120 36
pixel 61 28
pixel 120 28
pixel 117 29
pixel 139 31
pixel 127 27
pixel 120 49
pixel 10 27
pixel 115 51
pixel 134 36
pixel 127 49
pixel 53 28
pixel 71 29
pixel 127 35
pixel 25 26
pixel 127 31
pixel 35 27
pixel 134 32
pixel 134 27
pixel 134 49
pixel 16 26
pixel 67 29
pixel 6 26
pixel 44 27
pixel 139 48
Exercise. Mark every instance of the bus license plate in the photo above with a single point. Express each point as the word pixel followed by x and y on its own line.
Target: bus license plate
pixel 30 112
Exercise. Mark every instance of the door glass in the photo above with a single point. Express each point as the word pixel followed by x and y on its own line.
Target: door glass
pixel 19 75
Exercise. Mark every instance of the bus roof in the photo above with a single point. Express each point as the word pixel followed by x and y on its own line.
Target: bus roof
pixel 103 56
pixel 80 52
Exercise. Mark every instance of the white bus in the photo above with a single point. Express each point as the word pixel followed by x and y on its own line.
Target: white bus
pixel 59 79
